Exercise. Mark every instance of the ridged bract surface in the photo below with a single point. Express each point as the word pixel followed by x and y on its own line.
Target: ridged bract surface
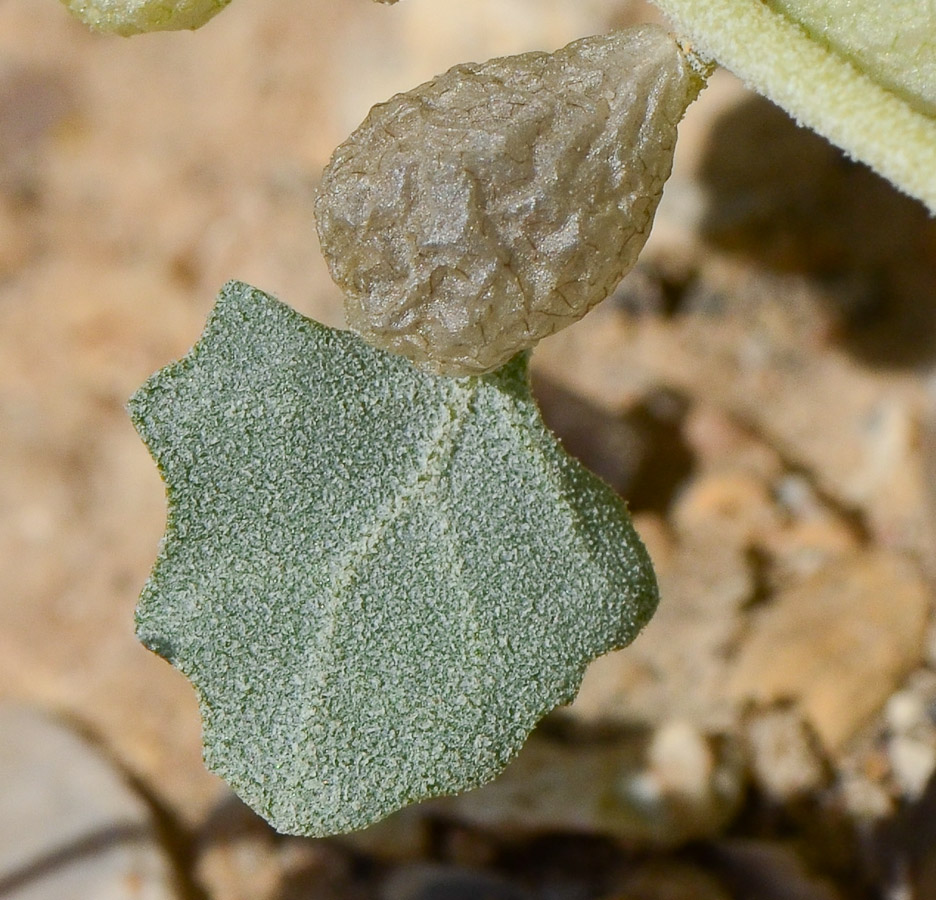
pixel 496 204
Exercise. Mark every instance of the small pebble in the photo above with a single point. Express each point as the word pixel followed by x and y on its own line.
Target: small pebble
pixel 784 755
pixel 913 761
pixel 865 799
pixel 905 712
pixel 70 826
pixel 681 761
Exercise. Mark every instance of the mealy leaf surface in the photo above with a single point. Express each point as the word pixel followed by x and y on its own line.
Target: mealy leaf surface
pixel 377 579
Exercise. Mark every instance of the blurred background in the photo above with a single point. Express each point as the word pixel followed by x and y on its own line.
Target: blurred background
pixel 761 388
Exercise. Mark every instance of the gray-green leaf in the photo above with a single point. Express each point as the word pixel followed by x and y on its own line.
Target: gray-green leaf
pixel 377 579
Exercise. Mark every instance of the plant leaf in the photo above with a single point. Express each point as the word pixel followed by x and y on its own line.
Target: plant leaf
pixel 127 17
pixel 377 579
pixel 860 72
pixel 893 41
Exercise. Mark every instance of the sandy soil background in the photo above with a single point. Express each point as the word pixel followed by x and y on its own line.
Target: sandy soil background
pixel 761 389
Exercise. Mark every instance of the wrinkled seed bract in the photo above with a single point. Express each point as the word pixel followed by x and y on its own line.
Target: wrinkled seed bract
pixel 474 215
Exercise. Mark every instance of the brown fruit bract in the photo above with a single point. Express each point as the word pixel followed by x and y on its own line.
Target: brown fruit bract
pixel 474 215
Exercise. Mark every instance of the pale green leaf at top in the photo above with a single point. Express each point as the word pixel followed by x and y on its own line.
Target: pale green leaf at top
pixel 860 72
pixel 377 579
pixel 129 17
pixel 893 41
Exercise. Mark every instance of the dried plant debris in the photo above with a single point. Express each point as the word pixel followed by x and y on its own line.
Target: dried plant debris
pixel 378 580
pixel 492 206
